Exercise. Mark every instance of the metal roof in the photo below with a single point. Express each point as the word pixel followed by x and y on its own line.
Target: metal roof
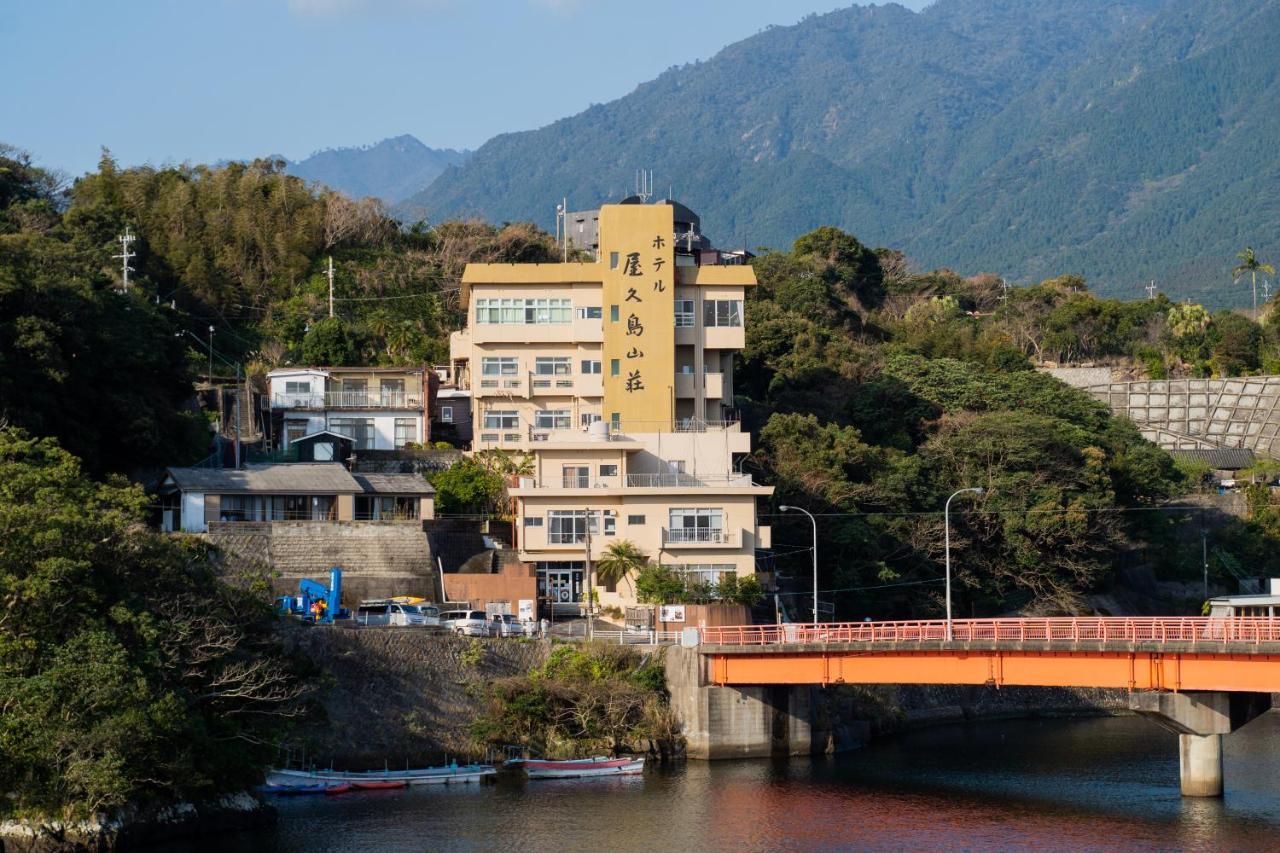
pixel 394 484
pixel 1221 458
pixel 286 477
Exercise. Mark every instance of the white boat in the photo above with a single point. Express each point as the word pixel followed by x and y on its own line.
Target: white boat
pixel 601 765
pixel 452 774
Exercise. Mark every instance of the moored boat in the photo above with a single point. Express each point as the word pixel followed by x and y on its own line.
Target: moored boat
pixel 380 785
pixel 298 790
pixel 577 768
pixel 451 774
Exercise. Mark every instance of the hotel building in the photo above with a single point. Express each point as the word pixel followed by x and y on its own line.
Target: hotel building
pixel 617 376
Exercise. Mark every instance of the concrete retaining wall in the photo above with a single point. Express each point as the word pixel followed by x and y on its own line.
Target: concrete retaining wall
pixel 377 558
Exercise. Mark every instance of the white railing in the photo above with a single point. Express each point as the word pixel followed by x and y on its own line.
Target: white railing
pixel 637 638
pixel 349 400
pixel 697 535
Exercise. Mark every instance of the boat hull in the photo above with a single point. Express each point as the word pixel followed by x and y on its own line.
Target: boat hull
pixel 583 769
pixel 461 774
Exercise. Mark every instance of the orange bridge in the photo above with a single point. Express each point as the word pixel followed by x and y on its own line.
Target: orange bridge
pixel 1163 653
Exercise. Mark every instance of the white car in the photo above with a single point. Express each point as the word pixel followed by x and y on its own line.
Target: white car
pixel 506 625
pixel 387 613
pixel 465 623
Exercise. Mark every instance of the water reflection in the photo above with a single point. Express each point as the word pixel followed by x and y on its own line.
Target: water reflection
pixel 1050 784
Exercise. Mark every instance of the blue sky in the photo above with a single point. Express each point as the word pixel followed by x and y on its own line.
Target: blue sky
pixel 204 80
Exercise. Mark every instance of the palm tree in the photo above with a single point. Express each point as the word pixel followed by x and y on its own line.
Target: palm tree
pixel 620 560
pixel 1249 263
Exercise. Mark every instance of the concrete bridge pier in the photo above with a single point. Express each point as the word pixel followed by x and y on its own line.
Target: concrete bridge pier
pixel 1200 720
pixel 747 721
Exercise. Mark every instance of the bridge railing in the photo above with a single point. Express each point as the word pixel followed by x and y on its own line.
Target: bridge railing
pixel 1136 629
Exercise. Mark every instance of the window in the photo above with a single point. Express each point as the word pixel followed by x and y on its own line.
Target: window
pixel 614 366
pixel 588 418
pixel 635 520
pixel 359 430
pixel 722 312
pixel 505 366
pixel 297 387
pixel 392 392
pixel 552 419
pixel 615 421
pixel 696 525
pixel 294 430
pixel 552 365
pixel 608 470
pixel 591 312
pixel 501 419
pixel 613 313
pixel 406 431
pixel 610 523
pixel 575 476
pixel 705 572
pixel 589 366
pixel 569 526
pixel 613 261
pixel 446 414
pixel 533 521
pixel 684 313
pixel 524 311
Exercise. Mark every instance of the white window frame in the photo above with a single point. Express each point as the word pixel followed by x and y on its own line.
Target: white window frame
pixel 552 419
pixel 553 365
pixel 446 414
pixel 684 314
pixel 501 419
pixel 722 313
pixel 504 365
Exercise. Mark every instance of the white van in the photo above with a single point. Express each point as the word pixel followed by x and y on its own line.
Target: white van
pixel 386 613
pixel 465 623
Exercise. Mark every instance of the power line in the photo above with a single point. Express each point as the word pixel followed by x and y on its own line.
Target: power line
pixel 809 593
pixel 1055 511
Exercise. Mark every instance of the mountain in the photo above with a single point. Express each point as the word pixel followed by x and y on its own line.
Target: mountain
pixel 391 170
pixel 1123 140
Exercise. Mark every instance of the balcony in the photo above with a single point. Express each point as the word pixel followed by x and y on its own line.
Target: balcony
pixel 637 481
pixel 687 385
pixel 699 537
pixel 348 400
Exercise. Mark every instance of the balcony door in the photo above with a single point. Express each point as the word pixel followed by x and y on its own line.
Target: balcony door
pixel 393 393
pixel 697 525
pixel 576 476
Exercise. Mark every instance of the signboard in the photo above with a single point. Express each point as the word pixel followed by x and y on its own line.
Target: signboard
pixel 671 613
pixel 638 255
pixel 526 609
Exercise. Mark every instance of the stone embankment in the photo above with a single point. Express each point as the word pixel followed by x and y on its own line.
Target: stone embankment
pixel 399 695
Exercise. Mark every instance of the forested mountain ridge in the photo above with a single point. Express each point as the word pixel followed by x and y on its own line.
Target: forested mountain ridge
pixel 389 170
pixel 1122 141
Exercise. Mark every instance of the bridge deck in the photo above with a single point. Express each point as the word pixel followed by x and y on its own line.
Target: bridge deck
pixel 1132 653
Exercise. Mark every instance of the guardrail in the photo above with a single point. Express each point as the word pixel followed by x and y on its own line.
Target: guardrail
pixel 636 638
pixel 1156 629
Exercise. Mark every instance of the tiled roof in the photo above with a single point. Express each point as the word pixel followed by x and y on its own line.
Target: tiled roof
pixel 1221 458
pixel 394 484
pixel 302 477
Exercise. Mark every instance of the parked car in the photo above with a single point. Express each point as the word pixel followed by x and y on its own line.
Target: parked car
pixel 387 613
pixel 430 613
pixel 507 625
pixel 465 623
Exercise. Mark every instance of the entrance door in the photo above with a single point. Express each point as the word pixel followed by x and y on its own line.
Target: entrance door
pixel 560 588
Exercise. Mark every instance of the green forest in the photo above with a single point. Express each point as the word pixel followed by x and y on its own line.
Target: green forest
pixel 873 391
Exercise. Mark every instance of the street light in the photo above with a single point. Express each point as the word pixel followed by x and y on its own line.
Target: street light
pixel 946 527
pixel 815 555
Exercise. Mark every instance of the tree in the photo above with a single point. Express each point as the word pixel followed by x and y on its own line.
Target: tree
pixel 129 673
pixel 619 561
pixel 1249 263
pixel 329 344
pixel 468 487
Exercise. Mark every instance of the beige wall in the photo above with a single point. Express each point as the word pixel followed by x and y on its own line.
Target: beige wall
pixel 346 507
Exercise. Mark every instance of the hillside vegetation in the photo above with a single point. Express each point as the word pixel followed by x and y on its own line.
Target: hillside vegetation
pixel 1121 141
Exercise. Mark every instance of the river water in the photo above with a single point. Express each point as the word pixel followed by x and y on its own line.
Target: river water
pixel 1081 784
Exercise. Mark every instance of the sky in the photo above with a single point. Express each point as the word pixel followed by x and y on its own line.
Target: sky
pixel 166 81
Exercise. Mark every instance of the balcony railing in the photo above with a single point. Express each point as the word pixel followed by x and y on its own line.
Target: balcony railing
pixel 348 400
pixel 697 536
pixel 639 481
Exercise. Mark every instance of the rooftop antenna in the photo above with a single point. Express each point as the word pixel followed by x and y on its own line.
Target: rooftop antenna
pixel 1151 289
pixel 125 240
pixel 644 185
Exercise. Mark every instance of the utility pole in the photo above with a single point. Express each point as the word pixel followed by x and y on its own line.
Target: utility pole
pixel 591 589
pixel 239 391
pixel 331 285
pixel 211 354
pixel 1151 289
pixel 125 240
